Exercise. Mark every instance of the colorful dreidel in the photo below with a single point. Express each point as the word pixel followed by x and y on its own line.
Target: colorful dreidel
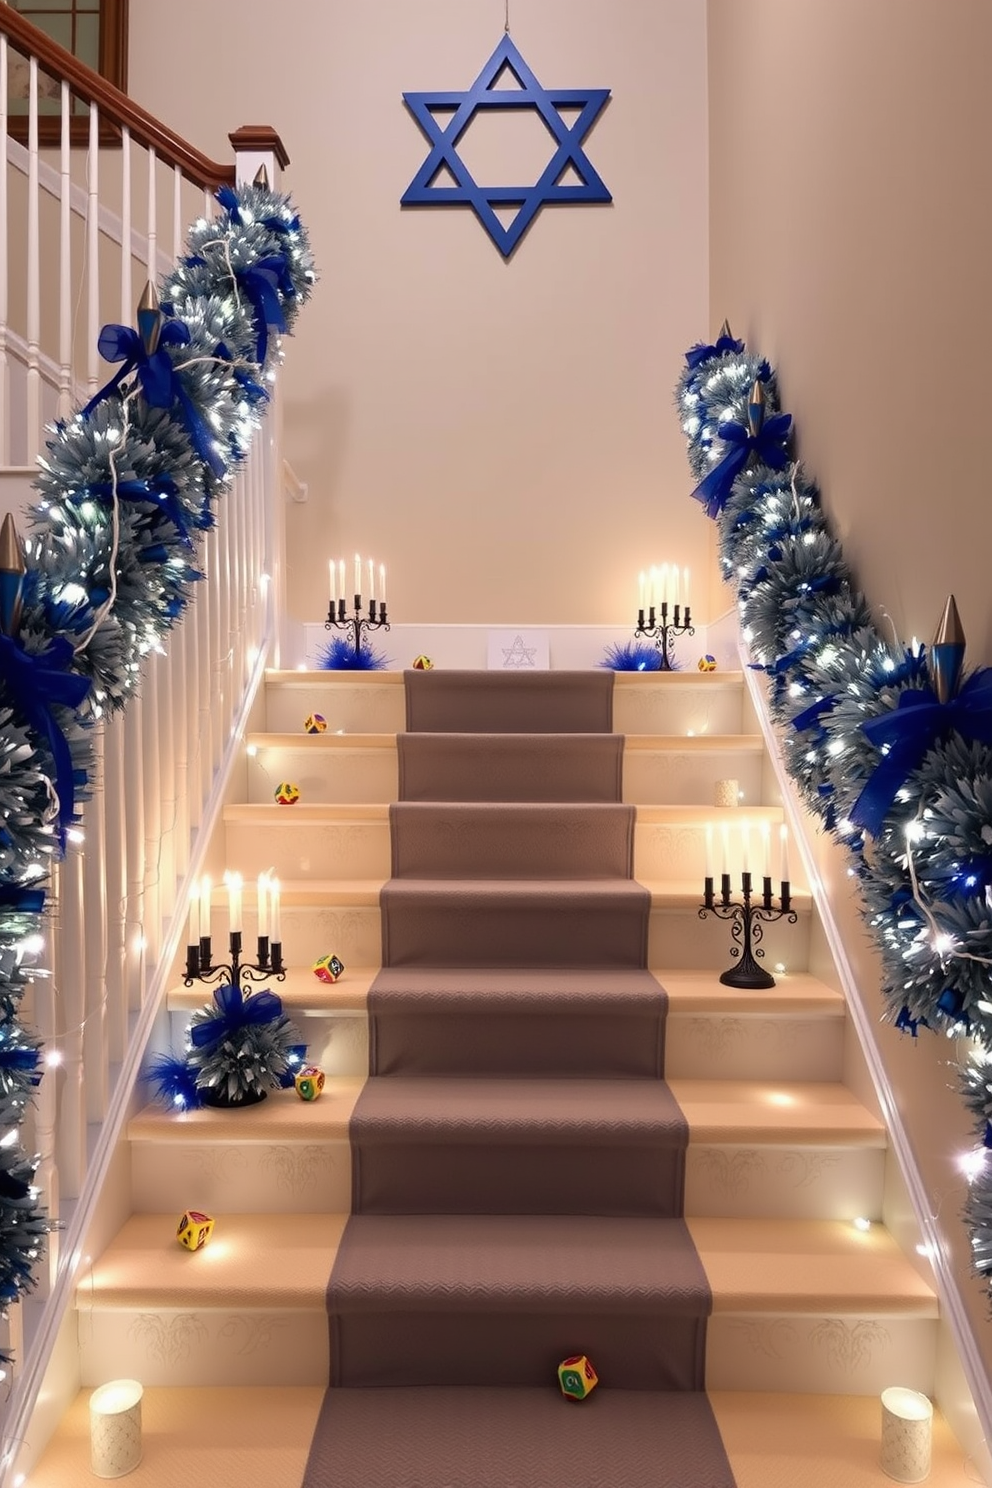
pixel 194 1229
pixel 577 1377
pixel 422 663
pixel 309 1082
pixel 315 723
pixel 707 663
pixel 286 793
pixel 327 968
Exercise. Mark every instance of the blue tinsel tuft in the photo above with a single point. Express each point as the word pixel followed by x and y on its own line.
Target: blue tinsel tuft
pixel 340 655
pixel 632 656
pixel 174 1083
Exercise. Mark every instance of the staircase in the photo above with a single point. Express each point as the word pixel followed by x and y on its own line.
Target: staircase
pixel 812 1316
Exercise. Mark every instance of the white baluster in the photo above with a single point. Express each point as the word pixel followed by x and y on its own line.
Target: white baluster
pixel 162 683
pixel 152 264
pixel 38 1131
pixel 4 270
pixel 134 825
pixel 33 272
pixel 95 930
pixel 153 810
pixel 178 225
pixel 93 250
pixel 70 992
pixel 127 293
pixel 65 258
pixel 115 815
pixel 179 729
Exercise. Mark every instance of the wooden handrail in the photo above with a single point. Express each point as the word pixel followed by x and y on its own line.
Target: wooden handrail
pixel 113 104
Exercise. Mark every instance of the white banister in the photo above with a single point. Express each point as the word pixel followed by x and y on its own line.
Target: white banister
pixel 34 419
pixel 127 295
pixel 94 854
pixel 152 219
pixel 93 250
pixel 65 259
pixel 115 810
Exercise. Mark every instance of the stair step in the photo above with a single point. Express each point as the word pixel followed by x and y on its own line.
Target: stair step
pixel 655 703
pixel 449 1145
pixel 325 916
pixel 260 1436
pixel 355 768
pixel 820 1305
pixel 352 841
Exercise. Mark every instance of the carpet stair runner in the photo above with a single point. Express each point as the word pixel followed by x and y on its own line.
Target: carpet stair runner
pixel 518 1159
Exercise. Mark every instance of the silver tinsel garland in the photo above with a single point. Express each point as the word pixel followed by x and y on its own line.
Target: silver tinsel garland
pixel 125 491
pixel 926 878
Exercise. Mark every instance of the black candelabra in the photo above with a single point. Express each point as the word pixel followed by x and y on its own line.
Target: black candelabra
pixel 747 915
pixel 339 619
pixel 268 963
pixel 660 630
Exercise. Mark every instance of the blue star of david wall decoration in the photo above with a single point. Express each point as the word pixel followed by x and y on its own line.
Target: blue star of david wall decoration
pixel 444 133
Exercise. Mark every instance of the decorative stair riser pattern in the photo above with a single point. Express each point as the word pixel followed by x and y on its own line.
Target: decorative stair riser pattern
pixel 206 1346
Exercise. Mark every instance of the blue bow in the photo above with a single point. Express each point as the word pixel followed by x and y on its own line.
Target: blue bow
pixel 235 1011
pixel 262 285
pixel 768 446
pixel 254 391
pixel 813 715
pixel 280 225
pixel 910 729
pixel 159 491
pixel 951 1004
pixel 160 382
pixel 702 353
pixel 906 1023
pixel 35 685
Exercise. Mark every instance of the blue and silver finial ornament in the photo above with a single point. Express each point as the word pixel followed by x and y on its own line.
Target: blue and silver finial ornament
pixel 12 570
pixel 726 334
pixel 149 319
pixel 755 405
pixel 946 657
pixel 261 178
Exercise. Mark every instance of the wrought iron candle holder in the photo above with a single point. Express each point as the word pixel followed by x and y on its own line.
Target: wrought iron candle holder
pixel 661 630
pixel 747 916
pixel 339 619
pixel 238 973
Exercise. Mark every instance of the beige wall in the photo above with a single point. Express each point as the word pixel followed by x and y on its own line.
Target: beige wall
pixel 851 240
pixel 501 435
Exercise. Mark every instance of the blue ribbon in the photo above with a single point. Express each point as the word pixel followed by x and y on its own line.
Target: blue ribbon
pixel 160 491
pixel 813 715
pixel 160 382
pixel 227 196
pixel 262 285
pixel 253 391
pixel 768 446
pixel 906 1023
pixel 701 352
pixel 235 1011
pixel 910 729
pixel 951 1004
pixel 21 900
pixel 35 685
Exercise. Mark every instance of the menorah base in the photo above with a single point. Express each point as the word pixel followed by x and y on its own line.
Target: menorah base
pixel 750 978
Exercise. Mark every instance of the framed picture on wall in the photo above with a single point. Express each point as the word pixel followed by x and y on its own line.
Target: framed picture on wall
pixel 94 31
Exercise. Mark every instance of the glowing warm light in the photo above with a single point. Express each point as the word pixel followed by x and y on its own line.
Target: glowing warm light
pixel 251 751
pixel 76 834
pixel 53 1057
pixel 862 1224
pixel 972 1164
pixel 780 1098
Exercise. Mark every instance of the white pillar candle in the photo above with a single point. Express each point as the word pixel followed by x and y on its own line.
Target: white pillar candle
pixel 371 578
pixel 652 588
pixel 783 842
pixel 766 850
pixel 332 575
pixel 341 578
pixel 664 583
pixel 641 589
pixel 907 1432
pixel 726 793
pixel 358 574
pixel 234 882
pixel 205 889
pixel 275 912
pixel 709 850
pixel 745 847
pixel 382 585
pixel 675 584
pixel 724 848
pixel 685 587
pixel 263 904
pixel 115 1428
